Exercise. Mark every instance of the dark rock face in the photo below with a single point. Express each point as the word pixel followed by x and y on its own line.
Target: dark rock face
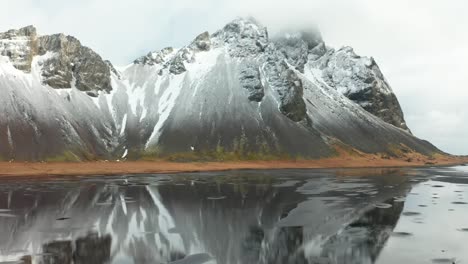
pixel 287 85
pixel 360 79
pixel 19 45
pixel 202 42
pixel 73 61
pixel 176 65
pixel 317 51
pixel 384 106
pixel 293 105
pixel 250 79
pixel 70 63
pixel 295 47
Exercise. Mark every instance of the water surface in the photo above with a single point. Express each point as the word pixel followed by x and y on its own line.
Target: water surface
pixel 282 216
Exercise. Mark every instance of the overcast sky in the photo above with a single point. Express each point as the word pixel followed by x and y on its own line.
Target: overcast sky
pixel 420 45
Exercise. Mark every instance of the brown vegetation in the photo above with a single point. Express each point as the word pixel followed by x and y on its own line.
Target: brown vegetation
pixel 345 160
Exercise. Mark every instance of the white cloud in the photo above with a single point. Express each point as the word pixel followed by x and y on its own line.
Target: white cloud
pixel 419 44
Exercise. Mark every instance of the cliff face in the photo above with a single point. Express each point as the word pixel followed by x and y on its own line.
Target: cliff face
pixel 66 64
pixel 236 93
pixel 360 80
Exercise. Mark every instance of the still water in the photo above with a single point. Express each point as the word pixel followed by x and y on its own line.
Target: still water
pixel 285 216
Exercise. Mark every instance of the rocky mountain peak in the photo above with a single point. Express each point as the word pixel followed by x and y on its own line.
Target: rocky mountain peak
pixel 202 42
pixel 281 60
pixel 243 36
pixel 236 93
pixel 19 45
pixel 173 60
pixel 68 63
pixel 361 80
pixel 28 31
pixel 244 27
pixel 155 57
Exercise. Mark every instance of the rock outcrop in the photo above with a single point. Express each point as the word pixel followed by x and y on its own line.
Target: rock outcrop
pixel 66 62
pixel 360 79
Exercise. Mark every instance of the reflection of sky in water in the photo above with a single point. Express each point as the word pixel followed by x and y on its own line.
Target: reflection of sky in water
pixel 248 217
pixel 436 232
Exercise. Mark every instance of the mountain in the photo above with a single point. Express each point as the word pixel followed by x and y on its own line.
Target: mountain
pixel 235 94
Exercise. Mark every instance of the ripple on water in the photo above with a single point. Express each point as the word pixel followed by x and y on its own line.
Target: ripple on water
pixel 216 198
pixel 444 260
pixel 399 199
pixel 410 213
pixel 382 205
pixel 7 215
pixel 104 204
pixel 401 234
pixel 194 259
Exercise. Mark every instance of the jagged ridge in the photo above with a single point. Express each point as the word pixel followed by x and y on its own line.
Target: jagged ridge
pixel 234 94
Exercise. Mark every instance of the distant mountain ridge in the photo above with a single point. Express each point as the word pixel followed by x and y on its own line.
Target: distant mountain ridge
pixel 235 94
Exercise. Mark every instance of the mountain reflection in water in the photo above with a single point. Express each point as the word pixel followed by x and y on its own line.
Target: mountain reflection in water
pixel 287 216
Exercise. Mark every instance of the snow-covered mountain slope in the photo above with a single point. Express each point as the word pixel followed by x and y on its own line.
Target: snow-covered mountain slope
pixel 236 93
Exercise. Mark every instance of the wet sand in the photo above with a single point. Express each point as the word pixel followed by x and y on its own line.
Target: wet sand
pixel 18 169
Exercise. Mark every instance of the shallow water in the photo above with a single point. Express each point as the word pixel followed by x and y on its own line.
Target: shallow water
pixel 283 216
